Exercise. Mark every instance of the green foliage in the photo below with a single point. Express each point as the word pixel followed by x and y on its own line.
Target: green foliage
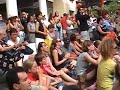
pixel 112 6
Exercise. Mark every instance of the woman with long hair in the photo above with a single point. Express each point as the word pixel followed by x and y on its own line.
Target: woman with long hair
pixel 59 59
pixel 48 67
pixel 85 71
pixel 106 68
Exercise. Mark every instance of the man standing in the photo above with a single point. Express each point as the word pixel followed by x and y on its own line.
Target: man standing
pixel 24 23
pixel 64 24
pixel 81 18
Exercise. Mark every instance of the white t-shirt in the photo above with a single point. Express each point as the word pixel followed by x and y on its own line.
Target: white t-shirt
pixel 10 42
pixel 70 26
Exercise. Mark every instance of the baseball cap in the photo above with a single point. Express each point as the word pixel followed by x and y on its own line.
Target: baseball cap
pixel 66 40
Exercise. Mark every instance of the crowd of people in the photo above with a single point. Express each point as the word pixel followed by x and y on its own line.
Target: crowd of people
pixel 71 52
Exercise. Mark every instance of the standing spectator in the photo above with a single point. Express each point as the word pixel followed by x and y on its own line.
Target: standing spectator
pixel 51 31
pixel 70 26
pixel 98 32
pixel 106 23
pixel 58 26
pixel 106 68
pixel 2 23
pixel 81 18
pixel 64 24
pixel 24 23
pixel 41 31
pixel 57 16
pixel 51 18
pixel 16 24
pixel 31 29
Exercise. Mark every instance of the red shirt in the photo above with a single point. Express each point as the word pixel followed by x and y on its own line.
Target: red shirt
pixel 63 22
pixel 33 77
pixel 43 69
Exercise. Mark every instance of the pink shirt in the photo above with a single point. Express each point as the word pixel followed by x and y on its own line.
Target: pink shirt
pixel 49 66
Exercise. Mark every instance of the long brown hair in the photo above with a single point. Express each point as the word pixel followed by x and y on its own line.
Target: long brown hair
pixel 53 45
pixel 85 45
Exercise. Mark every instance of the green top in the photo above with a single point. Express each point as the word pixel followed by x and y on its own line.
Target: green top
pixel 105 74
pixel 36 88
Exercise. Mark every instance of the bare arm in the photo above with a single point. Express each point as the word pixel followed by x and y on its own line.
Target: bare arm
pixel 20 26
pixel 3 48
pixel 11 25
pixel 55 56
pixel 37 29
pixel 78 53
pixel 89 59
pixel 78 22
pixel 78 48
pixel 29 30
pixel 100 30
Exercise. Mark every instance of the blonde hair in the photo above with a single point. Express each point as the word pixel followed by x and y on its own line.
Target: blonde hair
pixel 28 64
pixel 106 47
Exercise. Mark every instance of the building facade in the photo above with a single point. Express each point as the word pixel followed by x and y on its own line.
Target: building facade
pixel 10 8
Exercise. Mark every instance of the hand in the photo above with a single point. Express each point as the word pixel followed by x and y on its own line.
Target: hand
pixel 67 56
pixel 16 46
pixel 108 32
pixel 39 71
pixel 22 47
pixel 25 43
pixel 45 34
pixel 57 73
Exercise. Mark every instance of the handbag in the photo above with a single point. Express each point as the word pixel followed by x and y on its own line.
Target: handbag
pixel 9 58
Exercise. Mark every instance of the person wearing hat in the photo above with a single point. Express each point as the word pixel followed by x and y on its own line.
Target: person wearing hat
pixel 67 48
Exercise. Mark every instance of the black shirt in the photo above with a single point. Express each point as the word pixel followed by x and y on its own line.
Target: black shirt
pixel 83 21
pixel 38 35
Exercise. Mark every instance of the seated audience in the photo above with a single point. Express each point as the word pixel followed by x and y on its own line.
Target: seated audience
pixel 47 66
pixel 84 71
pixel 36 76
pixel 74 43
pixel 14 39
pixel 69 49
pixel 17 80
pixel 59 59
pixel 8 58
